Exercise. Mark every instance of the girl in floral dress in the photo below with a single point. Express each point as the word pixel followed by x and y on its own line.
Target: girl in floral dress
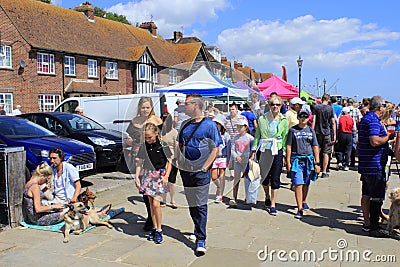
pixel 153 166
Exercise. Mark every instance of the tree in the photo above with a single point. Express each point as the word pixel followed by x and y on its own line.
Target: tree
pixel 111 16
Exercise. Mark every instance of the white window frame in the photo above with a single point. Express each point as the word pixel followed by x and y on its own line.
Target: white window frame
pixel 111 70
pixel 46 60
pixel 92 68
pixel 6 99
pixel 155 75
pixel 48 102
pixel 173 78
pixel 144 72
pixel 69 66
pixel 5 57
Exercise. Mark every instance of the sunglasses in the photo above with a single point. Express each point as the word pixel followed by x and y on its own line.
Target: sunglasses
pixel 276 105
pixel 190 102
pixel 384 105
pixel 303 116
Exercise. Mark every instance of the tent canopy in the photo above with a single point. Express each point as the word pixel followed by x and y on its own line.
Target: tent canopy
pixel 276 84
pixel 206 84
pixel 309 98
pixel 244 86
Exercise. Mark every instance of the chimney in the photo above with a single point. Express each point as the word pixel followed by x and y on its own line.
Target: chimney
pixel 177 36
pixel 150 26
pixel 235 65
pixel 87 9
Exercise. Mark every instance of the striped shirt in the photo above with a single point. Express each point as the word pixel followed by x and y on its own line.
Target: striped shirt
pixel 371 159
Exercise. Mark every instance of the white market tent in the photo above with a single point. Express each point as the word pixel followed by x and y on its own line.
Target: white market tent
pixel 206 84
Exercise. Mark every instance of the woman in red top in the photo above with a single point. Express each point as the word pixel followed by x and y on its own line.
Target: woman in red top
pixel 345 139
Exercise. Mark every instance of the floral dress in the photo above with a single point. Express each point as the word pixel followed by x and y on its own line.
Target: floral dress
pixel 32 217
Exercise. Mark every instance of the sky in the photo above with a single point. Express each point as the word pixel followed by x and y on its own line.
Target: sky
pixel 353 44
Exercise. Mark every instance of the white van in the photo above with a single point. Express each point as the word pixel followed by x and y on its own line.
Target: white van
pixel 115 112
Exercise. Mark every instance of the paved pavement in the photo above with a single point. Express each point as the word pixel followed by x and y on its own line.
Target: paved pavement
pixel 236 237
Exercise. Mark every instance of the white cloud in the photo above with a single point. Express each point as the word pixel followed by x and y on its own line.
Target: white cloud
pixel 169 16
pixel 57 2
pixel 343 42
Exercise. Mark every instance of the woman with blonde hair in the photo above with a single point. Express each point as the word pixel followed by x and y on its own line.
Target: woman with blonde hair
pixel 33 210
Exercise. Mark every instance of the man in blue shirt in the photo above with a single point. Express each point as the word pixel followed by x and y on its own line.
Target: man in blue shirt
pixel 199 139
pixel 373 151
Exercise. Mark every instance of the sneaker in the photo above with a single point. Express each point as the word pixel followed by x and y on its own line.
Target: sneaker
pixel 267 202
pixel 305 206
pixel 380 233
pixel 158 237
pixel 324 175
pixel 151 235
pixel 201 246
pixel 346 168
pixel 272 211
pixel 299 214
pixel 232 203
pixel 339 166
pixel 365 228
pixel 192 237
pixel 218 199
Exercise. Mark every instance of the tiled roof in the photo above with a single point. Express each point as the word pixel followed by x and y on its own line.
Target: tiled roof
pixel 189 51
pixel 49 27
pixel 266 75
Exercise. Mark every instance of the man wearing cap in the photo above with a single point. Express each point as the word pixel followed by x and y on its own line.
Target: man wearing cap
pixel 346 128
pixel 295 105
pixel 17 111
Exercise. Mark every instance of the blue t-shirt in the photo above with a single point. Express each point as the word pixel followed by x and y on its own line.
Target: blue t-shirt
pixel 250 118
pixel 371 159
pixel 205 138
pixel 337 108
pixel 302 140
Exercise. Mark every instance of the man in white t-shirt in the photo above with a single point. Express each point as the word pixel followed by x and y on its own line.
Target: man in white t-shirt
pixel 17 111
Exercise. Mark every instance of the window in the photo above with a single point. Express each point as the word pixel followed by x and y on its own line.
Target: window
pixel 92 68
pixel 173 79
pixel 45 63
pixel 48 102
pixel 155 77
pixel 111 70
pixel 5 56
pixel 144 72
pixel 6 99
pixel 69 66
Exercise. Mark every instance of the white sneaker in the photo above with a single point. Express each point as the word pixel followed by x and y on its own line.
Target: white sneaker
pixel 192 237
pixel 345 168
pixel 339 166
pixel 232 203
pixel 218 199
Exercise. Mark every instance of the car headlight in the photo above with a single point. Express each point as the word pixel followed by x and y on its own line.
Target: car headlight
pixel 101 141
pixel 40 152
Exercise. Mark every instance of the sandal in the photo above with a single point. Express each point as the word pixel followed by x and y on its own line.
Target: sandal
pixel 173 205
pixel 162 204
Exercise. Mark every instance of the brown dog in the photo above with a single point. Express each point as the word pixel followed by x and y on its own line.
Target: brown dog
pixel 78 218
pixel 86 197
pixel 394 210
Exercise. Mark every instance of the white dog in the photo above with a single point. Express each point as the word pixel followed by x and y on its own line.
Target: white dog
pixel 394 211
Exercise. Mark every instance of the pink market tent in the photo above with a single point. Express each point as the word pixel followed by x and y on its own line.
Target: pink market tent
pixel 275 84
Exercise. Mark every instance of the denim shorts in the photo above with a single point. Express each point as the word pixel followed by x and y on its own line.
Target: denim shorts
pixel 302 176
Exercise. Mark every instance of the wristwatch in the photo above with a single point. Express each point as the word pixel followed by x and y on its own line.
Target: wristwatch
pixel 203 169
pixel 317 163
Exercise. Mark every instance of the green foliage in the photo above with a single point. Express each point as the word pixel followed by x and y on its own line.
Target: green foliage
pixel 111 16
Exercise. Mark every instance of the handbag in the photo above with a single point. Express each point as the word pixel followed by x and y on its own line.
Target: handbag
pixel 254 170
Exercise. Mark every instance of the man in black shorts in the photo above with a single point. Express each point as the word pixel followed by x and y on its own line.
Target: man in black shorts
pixel 323 123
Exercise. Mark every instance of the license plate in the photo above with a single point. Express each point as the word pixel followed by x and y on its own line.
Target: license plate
pixel 85 167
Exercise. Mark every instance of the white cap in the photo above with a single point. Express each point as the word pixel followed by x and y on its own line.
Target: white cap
pixel 220 118
pixel 242 122
pixel 297 100
pixel 345 110
pixel 19 106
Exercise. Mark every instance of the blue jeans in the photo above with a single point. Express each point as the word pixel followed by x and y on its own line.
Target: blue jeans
pixel 196 186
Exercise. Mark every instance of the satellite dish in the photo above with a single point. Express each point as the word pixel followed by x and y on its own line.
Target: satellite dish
pixel 22 64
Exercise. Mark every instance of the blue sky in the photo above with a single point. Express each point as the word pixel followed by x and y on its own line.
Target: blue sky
pixel 353 44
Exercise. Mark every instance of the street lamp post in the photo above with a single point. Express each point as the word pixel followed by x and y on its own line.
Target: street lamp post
pixel 299 64
pixel 324 81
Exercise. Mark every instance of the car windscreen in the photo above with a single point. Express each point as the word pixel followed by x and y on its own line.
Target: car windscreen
pixel 16 129
pixel 81 123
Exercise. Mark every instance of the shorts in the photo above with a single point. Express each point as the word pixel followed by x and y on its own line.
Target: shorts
pixel 302 176
pixel 220 163
pixel 325 143
pixel 374 185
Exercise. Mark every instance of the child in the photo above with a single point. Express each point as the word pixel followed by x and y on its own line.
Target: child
pixel 241 151
pixel 301 150
pixel 154 164
pixel 221 162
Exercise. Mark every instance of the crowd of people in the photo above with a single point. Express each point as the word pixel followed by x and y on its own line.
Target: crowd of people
pixel 204 144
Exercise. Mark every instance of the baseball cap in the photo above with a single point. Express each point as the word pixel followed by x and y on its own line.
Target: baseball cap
pixel 19 106
pixel 242 122
pixel 220 119
pixel 296 100
pixel 345 110
pixel 303 111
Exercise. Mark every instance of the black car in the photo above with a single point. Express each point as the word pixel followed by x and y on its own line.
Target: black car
pixel 107 143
